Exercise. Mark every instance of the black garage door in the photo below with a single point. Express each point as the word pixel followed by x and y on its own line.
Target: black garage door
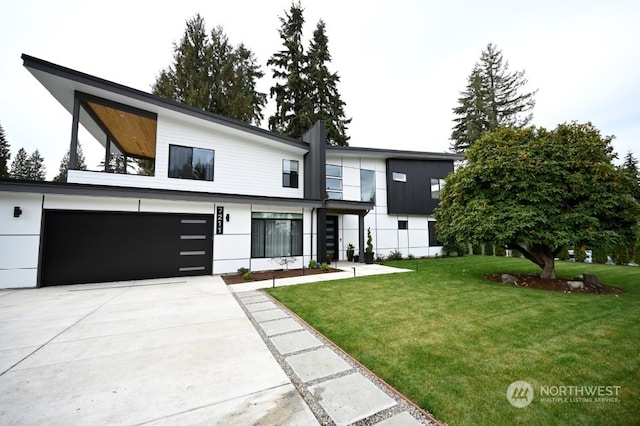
pixel 89 247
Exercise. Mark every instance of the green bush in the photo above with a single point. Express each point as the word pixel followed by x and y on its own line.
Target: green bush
pixel 564 254
pixel 500 251
pixel 242 271
pixel 313 264
pixel 622 256
pixel 600 255
pixel 395 255
pixel 325 267
pixel 247 276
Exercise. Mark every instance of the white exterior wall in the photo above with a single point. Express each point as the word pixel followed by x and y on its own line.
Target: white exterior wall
pixel 19 239
pixel 384 227
pixel 244 166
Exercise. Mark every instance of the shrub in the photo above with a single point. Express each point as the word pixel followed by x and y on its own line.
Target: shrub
pixel 395 255
pixel 325 267
pixel 242 271
pixel 380 257
pixel 411 257
pixel 313 264
pixel 247 276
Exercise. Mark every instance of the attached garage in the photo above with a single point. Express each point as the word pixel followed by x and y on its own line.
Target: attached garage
pixel 88 247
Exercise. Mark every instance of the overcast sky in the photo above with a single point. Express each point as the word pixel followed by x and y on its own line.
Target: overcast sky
pixel 402 63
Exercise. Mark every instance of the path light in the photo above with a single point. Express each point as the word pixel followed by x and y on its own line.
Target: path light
pixel 354 271
pixel 273 276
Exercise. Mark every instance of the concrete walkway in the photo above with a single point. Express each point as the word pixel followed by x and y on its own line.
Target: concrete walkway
pixel 180 351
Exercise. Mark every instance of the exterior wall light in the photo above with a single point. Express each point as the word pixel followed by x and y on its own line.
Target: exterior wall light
pixel 17 211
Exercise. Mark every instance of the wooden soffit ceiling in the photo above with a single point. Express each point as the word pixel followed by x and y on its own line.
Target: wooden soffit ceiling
pixel 136 134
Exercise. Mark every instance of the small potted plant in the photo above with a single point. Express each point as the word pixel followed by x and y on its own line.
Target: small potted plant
pixel 350 251
pixel 368 253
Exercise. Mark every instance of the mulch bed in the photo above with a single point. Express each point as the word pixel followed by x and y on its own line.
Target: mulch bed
pixel 281 273
pixel 556 284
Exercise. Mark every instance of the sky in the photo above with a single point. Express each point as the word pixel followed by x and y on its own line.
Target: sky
pixel 402 64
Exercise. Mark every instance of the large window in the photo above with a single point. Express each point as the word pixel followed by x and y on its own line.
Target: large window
pixel 191 163
pixel 276 234
pixel 290 173
pixel 367 185
pixel 334 182
pixel 436 187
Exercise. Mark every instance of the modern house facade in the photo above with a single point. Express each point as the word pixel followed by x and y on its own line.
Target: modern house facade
pixel 224 195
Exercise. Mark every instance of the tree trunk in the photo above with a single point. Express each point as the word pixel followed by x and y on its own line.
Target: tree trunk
pixel 541 255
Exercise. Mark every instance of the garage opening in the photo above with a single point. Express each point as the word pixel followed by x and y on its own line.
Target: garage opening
pixel 89 247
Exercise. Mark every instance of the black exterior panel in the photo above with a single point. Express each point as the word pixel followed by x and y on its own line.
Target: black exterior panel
pixel 89 247
pixel 414 195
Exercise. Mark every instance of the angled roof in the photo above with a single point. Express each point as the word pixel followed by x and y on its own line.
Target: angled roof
pixel 353 151
pixel 63 82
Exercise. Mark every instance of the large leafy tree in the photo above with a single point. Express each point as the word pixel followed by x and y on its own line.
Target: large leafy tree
pixel 325 98
pixel 293 116
pixel 64 165
pixel 5 155
pixel 493 97
pixel 210 74
pixel 539 191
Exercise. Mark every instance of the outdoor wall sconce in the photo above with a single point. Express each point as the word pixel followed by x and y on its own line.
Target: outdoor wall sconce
pixel 17 211
pixel 227 217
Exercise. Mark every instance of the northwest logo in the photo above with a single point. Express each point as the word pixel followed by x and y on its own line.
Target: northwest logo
pixel 520 394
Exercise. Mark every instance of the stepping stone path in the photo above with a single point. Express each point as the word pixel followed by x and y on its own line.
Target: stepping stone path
pixel 338 389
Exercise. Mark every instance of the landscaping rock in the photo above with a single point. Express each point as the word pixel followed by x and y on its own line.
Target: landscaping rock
pixel 575 285
pixel 579 277
pixel 508 279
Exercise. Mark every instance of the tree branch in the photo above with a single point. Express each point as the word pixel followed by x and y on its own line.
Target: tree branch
pixel 525 253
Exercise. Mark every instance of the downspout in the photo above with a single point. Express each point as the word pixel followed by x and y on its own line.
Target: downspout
pixel 313 210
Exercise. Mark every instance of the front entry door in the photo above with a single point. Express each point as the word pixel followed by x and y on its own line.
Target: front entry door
pixel 332 237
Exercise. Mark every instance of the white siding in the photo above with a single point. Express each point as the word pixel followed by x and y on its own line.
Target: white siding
pixel 247 166
pixel 19 239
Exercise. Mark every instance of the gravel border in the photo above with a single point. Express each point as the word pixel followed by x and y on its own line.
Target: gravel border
pixel 402 403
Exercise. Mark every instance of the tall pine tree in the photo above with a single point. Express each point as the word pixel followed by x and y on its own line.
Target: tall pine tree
pixel 20 165
pixel 294 112
pixel 631 165
pixel 5 155
pixel 35 167
pixel 325 98
pixel 210 74
pixel 493 97
pixel 64 165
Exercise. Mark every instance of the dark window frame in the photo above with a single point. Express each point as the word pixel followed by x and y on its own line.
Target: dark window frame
pixel 258 251
pixel 290 177
pixel 182 173
pixel 403 224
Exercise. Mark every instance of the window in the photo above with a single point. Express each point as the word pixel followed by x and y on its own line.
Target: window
pixel 436 187
pixel 367 185
pixel 290 173
pixel 334 182
pixel 276 234
pixel 399 177
pixel 190 163
pixel 433 235
pixel 403 224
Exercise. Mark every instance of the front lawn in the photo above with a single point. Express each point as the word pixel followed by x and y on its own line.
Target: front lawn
pixel 452 342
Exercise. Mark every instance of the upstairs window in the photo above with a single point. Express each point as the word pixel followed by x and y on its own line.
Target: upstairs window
pixel 191 163
pixel 399 177
pixel 367 185
pixel 403 224
pixel 290 173
pixel 436 187
pixel 334 182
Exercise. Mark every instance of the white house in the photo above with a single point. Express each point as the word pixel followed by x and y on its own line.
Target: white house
pixel 224 195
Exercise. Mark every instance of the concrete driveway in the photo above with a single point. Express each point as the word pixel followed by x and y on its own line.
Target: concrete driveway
pixel 171 351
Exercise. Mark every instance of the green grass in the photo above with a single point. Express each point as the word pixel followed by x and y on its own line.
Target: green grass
pixel 452 342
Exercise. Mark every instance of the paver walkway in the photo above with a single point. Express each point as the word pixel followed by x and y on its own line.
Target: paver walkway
pixel 338 390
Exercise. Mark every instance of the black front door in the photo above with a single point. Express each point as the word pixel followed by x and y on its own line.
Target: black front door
pixel 332 238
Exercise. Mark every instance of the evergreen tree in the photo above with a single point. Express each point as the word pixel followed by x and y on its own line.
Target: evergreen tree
pixel 146 167
pixel 5 155
pixel 493 97
pixel 325 99
pixel 20 166
pixel 35 166
pixel 294 112
pixel 64 165
pixel 630 164
pixel 209 74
